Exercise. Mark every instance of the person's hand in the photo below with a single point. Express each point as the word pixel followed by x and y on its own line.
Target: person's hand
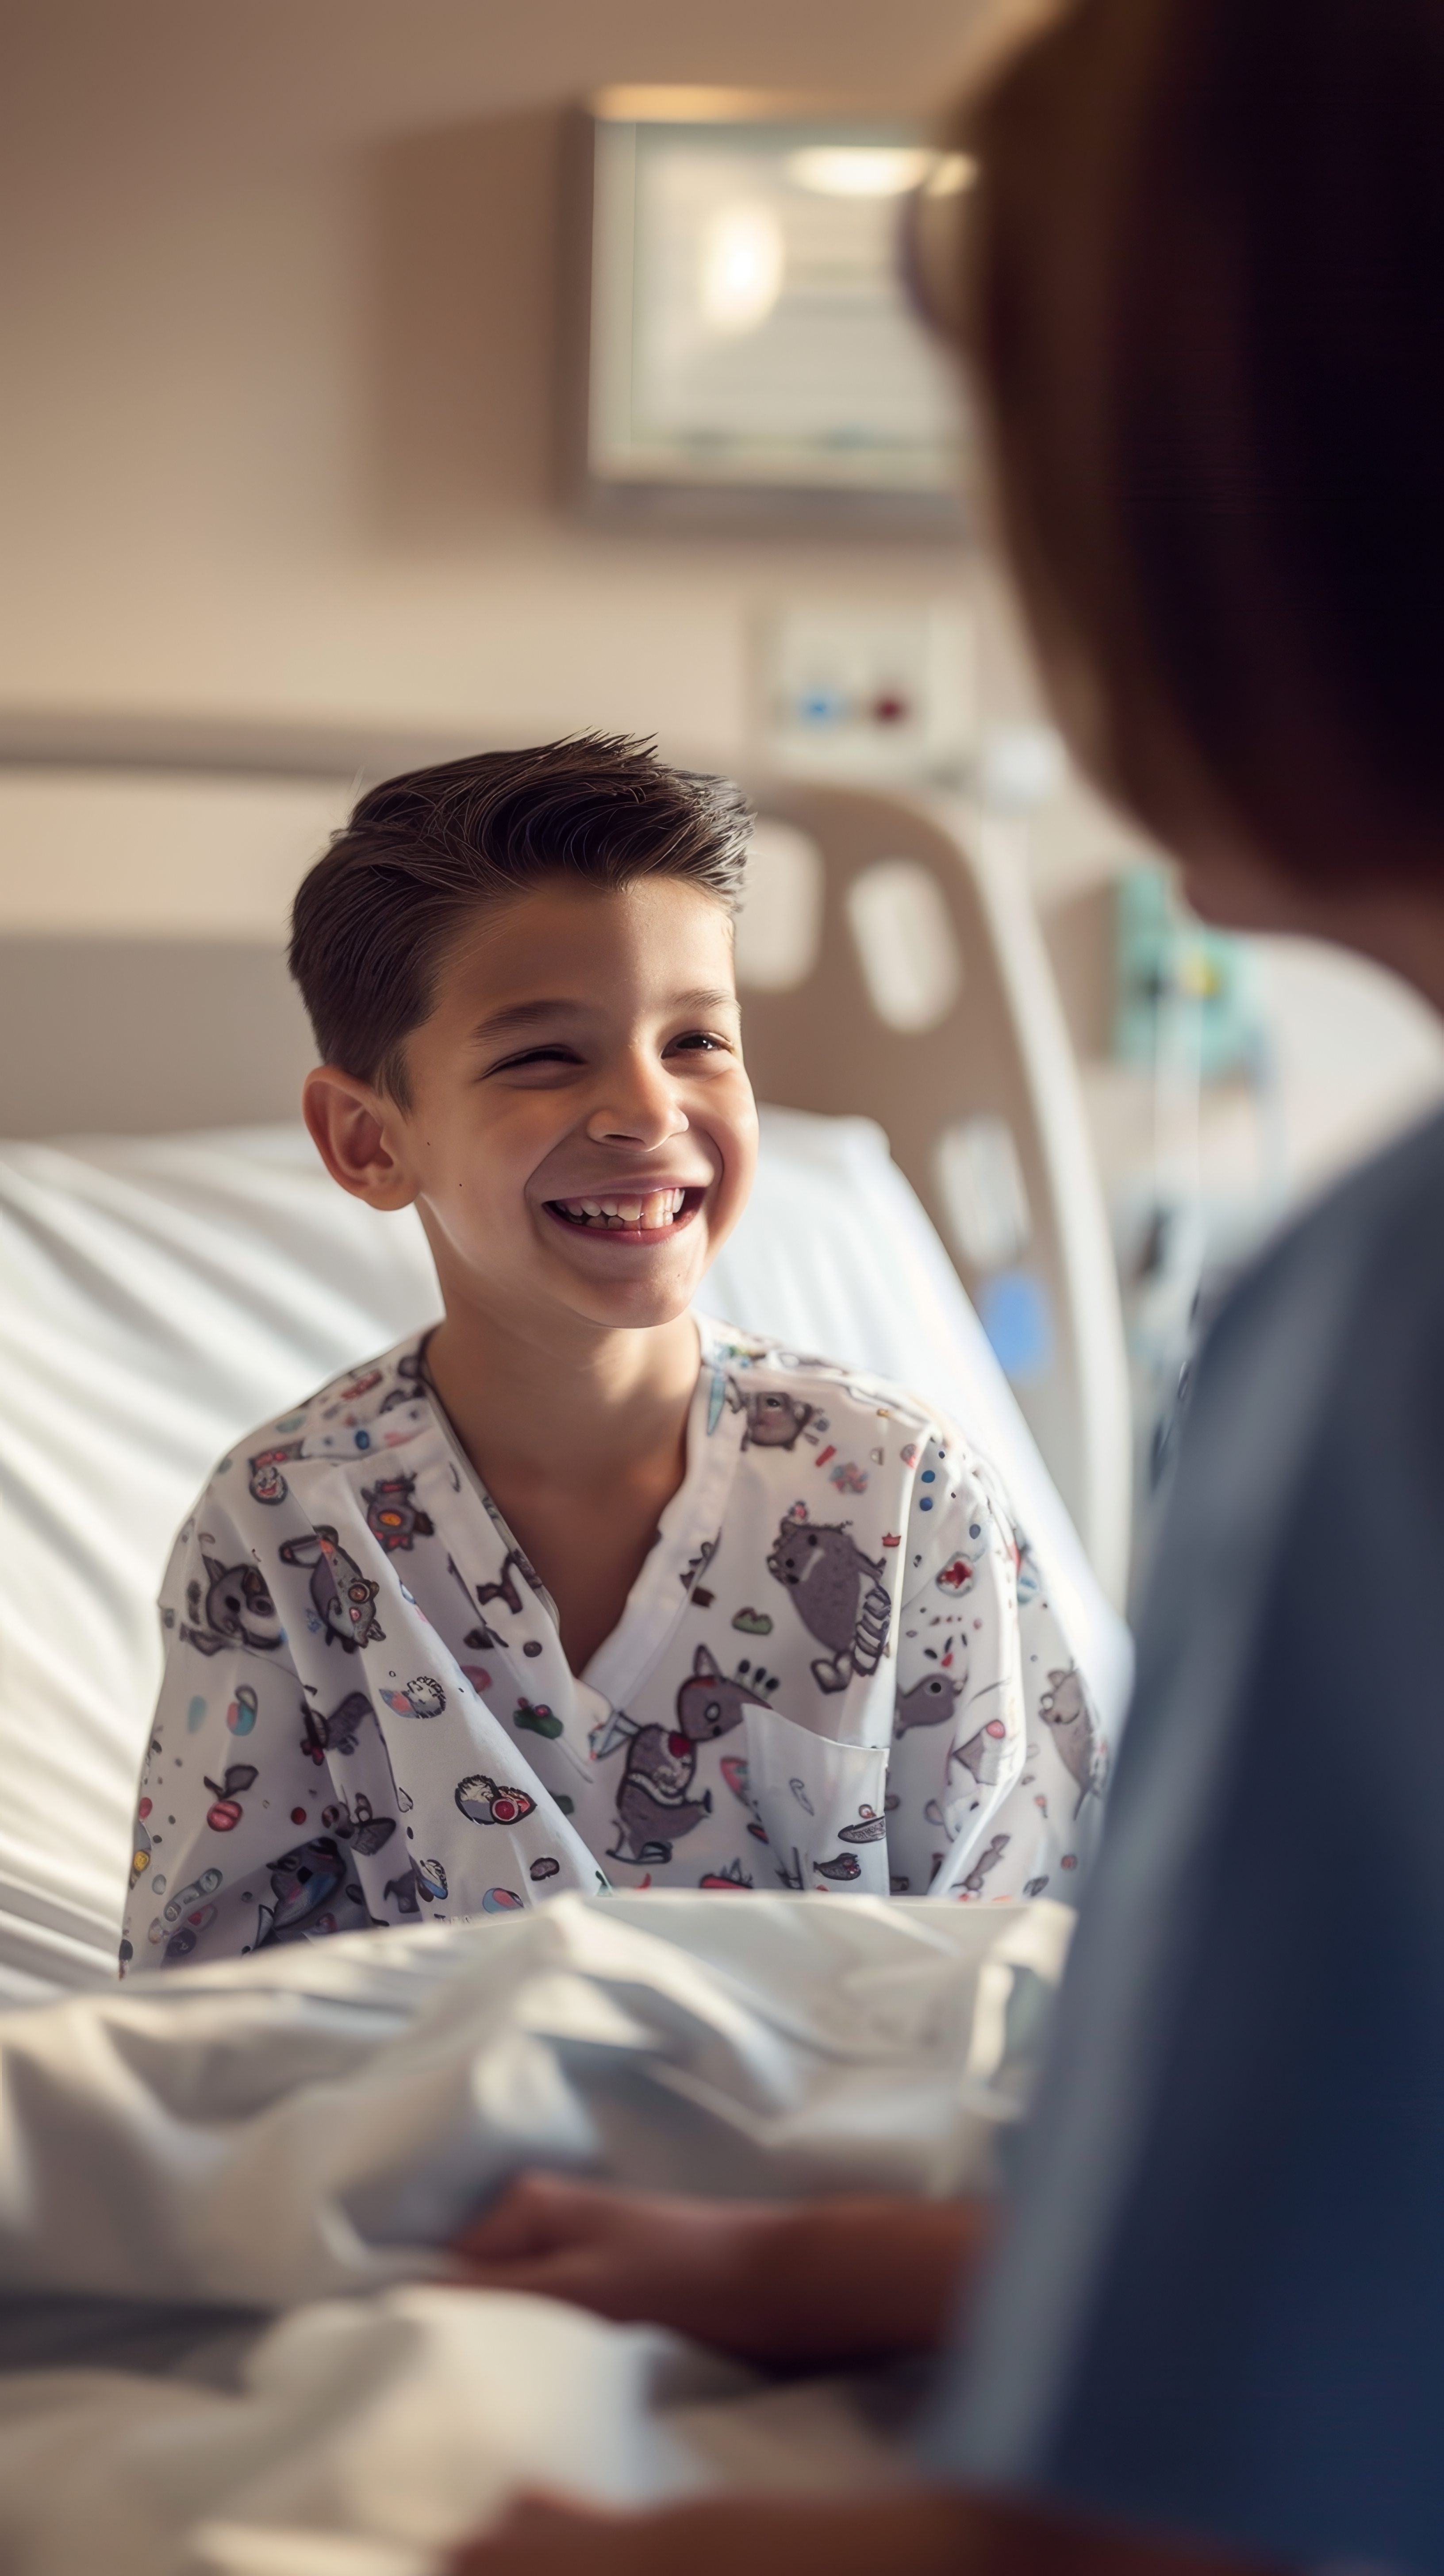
pixel 832 2281
pixel 697 2265
pixel 910 2532
pixel 896 2535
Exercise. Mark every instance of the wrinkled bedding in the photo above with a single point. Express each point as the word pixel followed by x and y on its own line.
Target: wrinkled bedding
pixel 228 2188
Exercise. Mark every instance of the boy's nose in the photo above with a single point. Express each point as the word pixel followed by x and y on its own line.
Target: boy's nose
pixel 640 1107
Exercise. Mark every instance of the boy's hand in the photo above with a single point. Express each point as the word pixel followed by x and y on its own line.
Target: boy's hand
pixel 830 2282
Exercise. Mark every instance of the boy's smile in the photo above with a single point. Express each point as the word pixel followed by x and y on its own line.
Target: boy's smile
pixel 643 1213
pixel 581 1134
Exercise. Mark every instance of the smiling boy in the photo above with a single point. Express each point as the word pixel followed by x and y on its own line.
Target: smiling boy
pixel 574 1590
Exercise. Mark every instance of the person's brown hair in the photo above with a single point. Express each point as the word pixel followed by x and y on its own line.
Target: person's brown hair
pixel 420 856
pixel 1202 286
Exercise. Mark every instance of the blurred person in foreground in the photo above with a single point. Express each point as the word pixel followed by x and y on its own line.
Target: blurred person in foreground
pixel 1205 297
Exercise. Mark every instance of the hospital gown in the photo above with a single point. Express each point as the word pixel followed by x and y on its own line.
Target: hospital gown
pixel 838 1671
pixel 1221 2305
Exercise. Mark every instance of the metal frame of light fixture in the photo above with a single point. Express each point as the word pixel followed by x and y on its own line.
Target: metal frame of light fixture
pixel 697 503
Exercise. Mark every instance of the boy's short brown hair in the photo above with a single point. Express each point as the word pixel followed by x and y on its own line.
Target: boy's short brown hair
pixel 421 854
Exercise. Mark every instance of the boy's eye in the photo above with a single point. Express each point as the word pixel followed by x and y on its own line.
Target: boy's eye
pixel 536 1055
pixel 558 1056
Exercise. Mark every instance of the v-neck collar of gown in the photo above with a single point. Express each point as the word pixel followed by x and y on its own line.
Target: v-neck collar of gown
pixel 686 1538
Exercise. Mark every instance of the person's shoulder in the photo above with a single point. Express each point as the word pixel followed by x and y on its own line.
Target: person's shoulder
pixel 1377 1234
pixel 1397 1194
pixel 381 1403
pixel 756 1363
pixel 1333 1331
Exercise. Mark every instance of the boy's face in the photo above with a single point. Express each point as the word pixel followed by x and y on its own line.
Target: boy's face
pixel 582 1136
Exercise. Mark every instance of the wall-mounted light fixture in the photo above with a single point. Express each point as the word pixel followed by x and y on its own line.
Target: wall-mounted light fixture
pixel 742 347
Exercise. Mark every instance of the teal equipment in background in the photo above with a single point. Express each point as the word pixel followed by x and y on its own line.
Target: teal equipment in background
pixel 1167 959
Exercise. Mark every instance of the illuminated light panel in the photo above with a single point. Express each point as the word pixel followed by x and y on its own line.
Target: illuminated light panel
pixel 742 267
pixel 858 169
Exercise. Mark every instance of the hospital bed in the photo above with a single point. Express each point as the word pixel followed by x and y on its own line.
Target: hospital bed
pixel 891 966
pixel 189 2162
pixel 164 1292
pixel 225 2347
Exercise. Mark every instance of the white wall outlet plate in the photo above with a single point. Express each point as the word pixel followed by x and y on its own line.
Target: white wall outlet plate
pixel 868 694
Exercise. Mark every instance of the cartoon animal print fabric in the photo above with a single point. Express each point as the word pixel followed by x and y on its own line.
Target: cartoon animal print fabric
pixel 340 1591
pixel 392 1516
pixel 655 1805
pixel 1065 1707
pixel 842 1597
pixel 839 1672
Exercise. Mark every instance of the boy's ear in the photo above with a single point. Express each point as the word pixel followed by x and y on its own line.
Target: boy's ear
pixel 360 1137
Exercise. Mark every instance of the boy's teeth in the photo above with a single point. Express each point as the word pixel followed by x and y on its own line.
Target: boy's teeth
pixel 648 1214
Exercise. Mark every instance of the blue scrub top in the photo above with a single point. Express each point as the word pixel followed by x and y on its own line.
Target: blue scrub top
pixel 1220 2305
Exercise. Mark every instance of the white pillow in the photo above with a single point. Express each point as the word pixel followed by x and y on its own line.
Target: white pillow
pixel 163 1294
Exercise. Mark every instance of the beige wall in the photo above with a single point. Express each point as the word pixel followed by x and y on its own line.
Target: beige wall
pixel 278 358
pixel 279 362
pixel 277 396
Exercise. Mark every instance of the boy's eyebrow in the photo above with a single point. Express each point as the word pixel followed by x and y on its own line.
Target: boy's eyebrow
pixel 525 1015
pixel 706 999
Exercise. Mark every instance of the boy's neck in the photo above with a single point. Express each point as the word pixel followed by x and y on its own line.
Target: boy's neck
pixel 594 1407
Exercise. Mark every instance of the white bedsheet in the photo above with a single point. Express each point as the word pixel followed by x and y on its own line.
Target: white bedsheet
pixel 160 1295
pixel 365 2437
pixel 288 2139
